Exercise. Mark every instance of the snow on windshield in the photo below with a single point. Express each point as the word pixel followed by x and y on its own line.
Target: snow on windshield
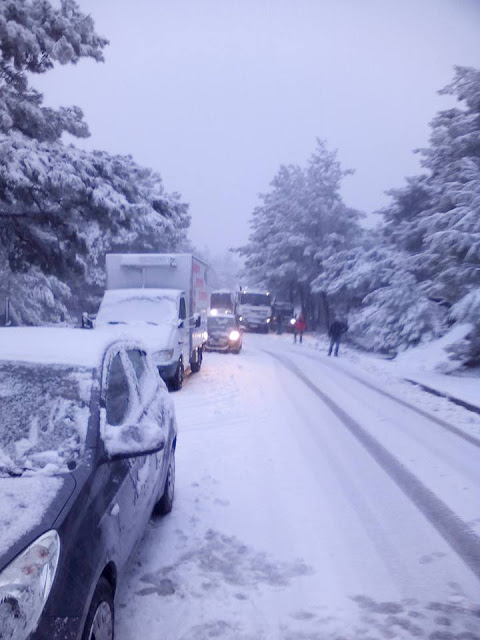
pixel 44 412
pixel 136 308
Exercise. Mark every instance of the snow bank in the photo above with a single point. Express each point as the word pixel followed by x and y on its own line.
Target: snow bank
pixel 434 355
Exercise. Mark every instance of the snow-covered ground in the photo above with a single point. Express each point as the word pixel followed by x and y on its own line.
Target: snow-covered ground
pixel 310 506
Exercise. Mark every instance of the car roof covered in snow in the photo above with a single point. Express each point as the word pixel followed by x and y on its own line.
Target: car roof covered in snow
pixel 62 345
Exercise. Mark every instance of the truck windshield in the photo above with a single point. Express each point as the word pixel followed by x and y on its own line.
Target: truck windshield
pixel 44 416
pixel 255 299
pixel 221 301
pixel 116 309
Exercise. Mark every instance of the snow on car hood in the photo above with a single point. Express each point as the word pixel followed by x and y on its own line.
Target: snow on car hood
pixel 24 502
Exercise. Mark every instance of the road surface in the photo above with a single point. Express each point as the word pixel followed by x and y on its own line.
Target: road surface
pixel 310 504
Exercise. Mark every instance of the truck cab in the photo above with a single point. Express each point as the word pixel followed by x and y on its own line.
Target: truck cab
pixel 254 310
pixel 165 296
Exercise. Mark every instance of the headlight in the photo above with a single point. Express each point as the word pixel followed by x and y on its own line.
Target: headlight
pixel 25 586
pixel 240 318
pixel 205 335
pixel 213 312
pixel 163 356
pixel 234 335
pixel 292 321
pixel 268 320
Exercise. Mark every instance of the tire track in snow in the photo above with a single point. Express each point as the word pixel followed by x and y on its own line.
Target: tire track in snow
pixel 461 538
pixel 442 423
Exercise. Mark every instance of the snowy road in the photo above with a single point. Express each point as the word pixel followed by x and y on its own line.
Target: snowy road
pixel 309 505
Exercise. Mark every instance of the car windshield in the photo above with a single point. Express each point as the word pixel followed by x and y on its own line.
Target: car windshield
pixel 220 323
pixel 154 310
pixel 256 299
pixel 44 412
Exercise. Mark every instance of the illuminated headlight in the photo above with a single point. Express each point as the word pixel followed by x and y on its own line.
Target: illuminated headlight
pixel 292 321
pixel 241 318
pixel 163 356
pixel 213 312
pixel 234 335
pixel 25 585
pixel 205 335
pixel 268 320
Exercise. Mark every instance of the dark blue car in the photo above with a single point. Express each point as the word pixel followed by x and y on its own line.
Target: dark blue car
pixel 87 452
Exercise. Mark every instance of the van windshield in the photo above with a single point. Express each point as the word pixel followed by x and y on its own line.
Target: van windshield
pixel 120 309
pixel 219 323
pixel 221 301
pixel 44 413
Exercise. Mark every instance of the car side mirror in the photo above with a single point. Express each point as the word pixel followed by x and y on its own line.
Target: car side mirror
pixel 132 440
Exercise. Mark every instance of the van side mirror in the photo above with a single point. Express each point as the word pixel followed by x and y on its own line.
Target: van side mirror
pixel 87 322
pixel 197 319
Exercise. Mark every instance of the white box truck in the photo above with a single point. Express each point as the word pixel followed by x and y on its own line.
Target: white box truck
pixel 167 296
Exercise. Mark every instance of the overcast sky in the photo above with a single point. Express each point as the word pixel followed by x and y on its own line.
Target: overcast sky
pixel 216 94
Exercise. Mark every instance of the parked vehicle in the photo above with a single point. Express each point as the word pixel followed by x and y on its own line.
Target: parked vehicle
pixel 222 300
pixel 254 310
pixel 284 312
pixel 224 333
pixel 87 451
pixel 169 292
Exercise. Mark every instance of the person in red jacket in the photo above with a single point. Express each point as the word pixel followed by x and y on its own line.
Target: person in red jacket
pixel 299 327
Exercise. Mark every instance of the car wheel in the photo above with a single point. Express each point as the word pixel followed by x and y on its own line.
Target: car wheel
pixel 176 382
pixel 197 365
pixel 100 618
pixel 165 504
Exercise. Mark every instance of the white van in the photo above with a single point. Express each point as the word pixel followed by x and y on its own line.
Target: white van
pixel 167 296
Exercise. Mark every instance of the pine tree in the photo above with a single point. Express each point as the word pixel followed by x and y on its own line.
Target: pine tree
pixel 299 223
pixel 62 208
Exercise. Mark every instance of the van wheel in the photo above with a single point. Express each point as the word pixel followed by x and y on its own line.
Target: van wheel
pixel 197 365
pixel 100 618
pixel 176 382
pixel 165 504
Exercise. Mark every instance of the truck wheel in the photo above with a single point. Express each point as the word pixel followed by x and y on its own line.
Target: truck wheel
pixel 197 365
pixel 176 382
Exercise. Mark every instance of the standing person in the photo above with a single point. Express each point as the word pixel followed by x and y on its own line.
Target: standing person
pixel 279 323
pixel 299 327
pixel 337 328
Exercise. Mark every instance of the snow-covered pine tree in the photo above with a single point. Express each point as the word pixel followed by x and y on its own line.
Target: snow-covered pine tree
pixel 299 223
pixel 62 208
pixel 34 36
pixel 436 217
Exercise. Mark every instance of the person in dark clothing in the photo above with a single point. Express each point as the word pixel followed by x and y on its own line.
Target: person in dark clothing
pixel 279 323
pixel 337 328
